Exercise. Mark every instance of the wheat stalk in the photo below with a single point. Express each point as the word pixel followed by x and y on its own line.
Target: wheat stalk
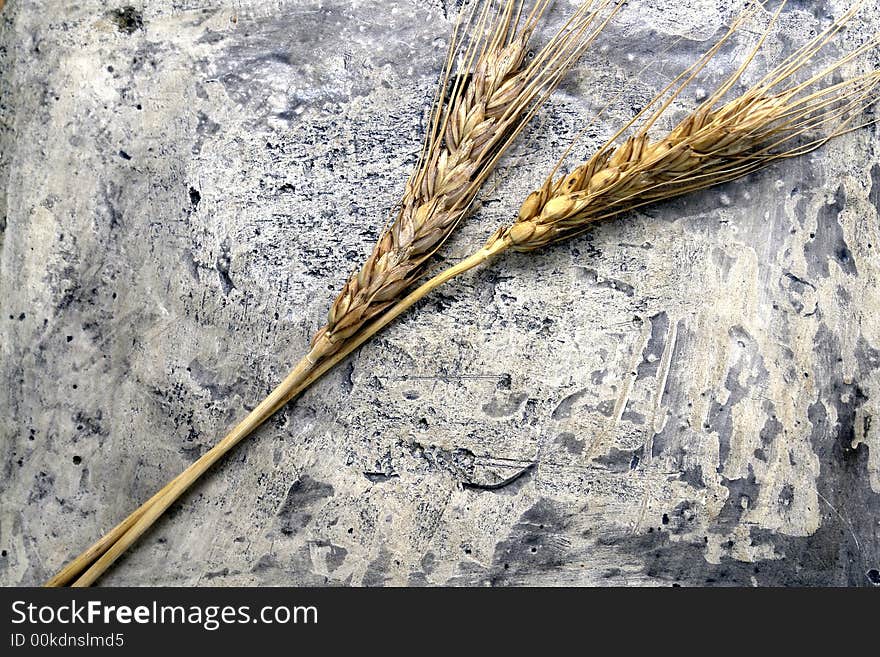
pixel 496 93
pixel 712 145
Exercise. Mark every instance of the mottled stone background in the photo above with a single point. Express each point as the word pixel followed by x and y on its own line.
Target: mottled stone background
pixel 690 394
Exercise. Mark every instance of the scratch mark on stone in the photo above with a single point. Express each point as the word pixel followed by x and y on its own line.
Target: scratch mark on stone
pixel 665 364
pixel 625 392
pixel 662 378
pixel 623 398
pixel 500 484
pixel 643 507
pixel 843 519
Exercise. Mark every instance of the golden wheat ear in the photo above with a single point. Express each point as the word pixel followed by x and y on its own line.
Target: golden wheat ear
pixel 486 110
pixel 490 89
pixel 789 111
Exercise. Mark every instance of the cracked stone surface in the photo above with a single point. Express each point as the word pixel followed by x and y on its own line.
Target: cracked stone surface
pixel 689 394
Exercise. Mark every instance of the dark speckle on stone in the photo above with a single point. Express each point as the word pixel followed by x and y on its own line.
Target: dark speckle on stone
pixel 694 476
pixel 875 187
pixel 786 495
pixel 533 544
pixel 264 563
pixel 377 570
pixel 128 19
pixel 618 460
pixel 570 442
pixel 828 242
pixel 304 494
pixel 124 155
pixel 504 405
pixel 224 262
pixel 563 409
pixel 194 197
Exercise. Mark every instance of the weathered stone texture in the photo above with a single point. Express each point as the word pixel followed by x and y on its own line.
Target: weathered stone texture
pixel 690 393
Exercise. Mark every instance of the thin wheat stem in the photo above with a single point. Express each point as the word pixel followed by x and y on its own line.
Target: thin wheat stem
pixel 712 145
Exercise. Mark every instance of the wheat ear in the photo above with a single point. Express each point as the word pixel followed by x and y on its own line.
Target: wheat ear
pixel 488 107
pixel 776 118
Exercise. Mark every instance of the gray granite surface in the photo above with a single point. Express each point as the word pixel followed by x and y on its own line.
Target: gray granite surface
pixel 689 394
